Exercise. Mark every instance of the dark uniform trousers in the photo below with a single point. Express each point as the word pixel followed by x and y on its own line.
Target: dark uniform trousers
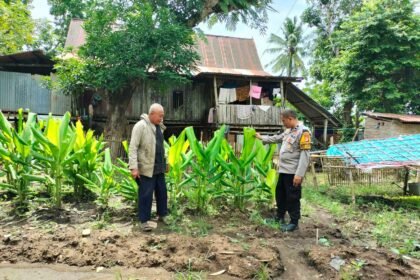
pixel 147 186
pixel 288 198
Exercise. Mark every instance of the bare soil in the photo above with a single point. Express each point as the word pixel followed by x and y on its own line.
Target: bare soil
pixel 231 243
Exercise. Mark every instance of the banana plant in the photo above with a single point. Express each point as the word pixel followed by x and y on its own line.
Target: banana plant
pixel 239 178
pixel 103 183
pixel 88 157
pixel 206 170
pixel 16 156
pixel 54 152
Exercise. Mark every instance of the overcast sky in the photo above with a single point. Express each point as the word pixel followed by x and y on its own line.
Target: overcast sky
pixel 284 8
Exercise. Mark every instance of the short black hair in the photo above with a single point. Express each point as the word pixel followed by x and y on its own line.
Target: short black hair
pixel 289 113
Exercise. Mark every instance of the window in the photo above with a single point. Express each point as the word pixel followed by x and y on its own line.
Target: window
pixel 177 99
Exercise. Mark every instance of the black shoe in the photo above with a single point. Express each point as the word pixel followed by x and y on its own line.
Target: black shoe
pixel 289 227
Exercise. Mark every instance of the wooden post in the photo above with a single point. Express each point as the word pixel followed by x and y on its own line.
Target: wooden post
pixel 355 135
pixel 283 102
pixel 325 131
pixel 331 140
pixel 314 174
pixel 407 173
pixel 216 101
pixel 250 97
pixel 353 187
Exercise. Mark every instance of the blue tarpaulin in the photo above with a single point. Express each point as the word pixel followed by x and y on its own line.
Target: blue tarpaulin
pixel 397 151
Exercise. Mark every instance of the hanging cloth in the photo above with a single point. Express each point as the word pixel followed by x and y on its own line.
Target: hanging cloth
pixel 255 92
pixel 227 95
pixel 276 92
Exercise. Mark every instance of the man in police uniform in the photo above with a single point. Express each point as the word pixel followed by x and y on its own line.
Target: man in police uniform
pixel 294 160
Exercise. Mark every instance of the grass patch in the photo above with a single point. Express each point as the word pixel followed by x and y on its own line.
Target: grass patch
pixel 380 212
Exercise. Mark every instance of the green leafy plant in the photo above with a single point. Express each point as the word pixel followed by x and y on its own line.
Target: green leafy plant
pixel 238 180
pixel 127 186
pixel 17 158
pixel 88 157
pixel 206 171
pixel 103 183
pixel 54 152
pixel 178 162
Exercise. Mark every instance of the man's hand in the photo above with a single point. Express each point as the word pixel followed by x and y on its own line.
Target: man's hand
pixel 297 181
pixel 258 136
pixel 135 173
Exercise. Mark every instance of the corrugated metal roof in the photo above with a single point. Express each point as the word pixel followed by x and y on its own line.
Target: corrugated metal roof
pixel 218 54
pixel 374 153
pixel 309 107
pixel 34 62
pixel 229 55
pixel 401 118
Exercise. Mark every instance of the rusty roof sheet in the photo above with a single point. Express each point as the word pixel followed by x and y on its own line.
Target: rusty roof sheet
pixel 312 110
pixel 229 55
pixel 218 54
pixel 401 118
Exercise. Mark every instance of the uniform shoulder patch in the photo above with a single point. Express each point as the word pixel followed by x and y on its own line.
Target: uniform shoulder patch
pixel 305 141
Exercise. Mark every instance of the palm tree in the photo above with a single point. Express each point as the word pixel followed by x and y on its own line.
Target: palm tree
pixel 288 49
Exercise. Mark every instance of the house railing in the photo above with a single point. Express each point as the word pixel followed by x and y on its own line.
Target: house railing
pixel 249 115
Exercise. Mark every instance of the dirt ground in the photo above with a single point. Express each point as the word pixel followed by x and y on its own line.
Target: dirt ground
pixel 53 246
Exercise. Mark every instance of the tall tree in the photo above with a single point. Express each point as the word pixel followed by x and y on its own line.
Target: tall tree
pixel 289 49
pixel 44 37
pixel 64 11
pixel 125 45
pixel 379 60
pixel 16 26
pixel 128 41
pixel 190 13
pixel 326 16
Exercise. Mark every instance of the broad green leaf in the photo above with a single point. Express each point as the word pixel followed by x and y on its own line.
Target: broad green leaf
pixel 194 144
pixel 249 142
pixel 107 163
pixel 271 181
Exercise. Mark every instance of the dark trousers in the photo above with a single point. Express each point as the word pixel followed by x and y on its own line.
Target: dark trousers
pixel 288 198
pixel 147 186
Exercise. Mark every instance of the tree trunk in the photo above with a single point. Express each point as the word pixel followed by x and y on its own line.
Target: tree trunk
pixel 117 124
pixel 348 105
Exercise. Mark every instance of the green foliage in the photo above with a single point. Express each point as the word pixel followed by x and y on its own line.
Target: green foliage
pixel 104 182
pixel 206 172
pixel 110 60
pixel 63 11
pixel 45 37
pixel 239 176
pixel 16 26
pixel 88 154
pixel 178 163
pixel 326 16
pixel 288 49
pixel 16 156
pixel 322 92
pixel 378 64
pixel 388 224
pixel 53 151
pixel 366 53
pixel 252 13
